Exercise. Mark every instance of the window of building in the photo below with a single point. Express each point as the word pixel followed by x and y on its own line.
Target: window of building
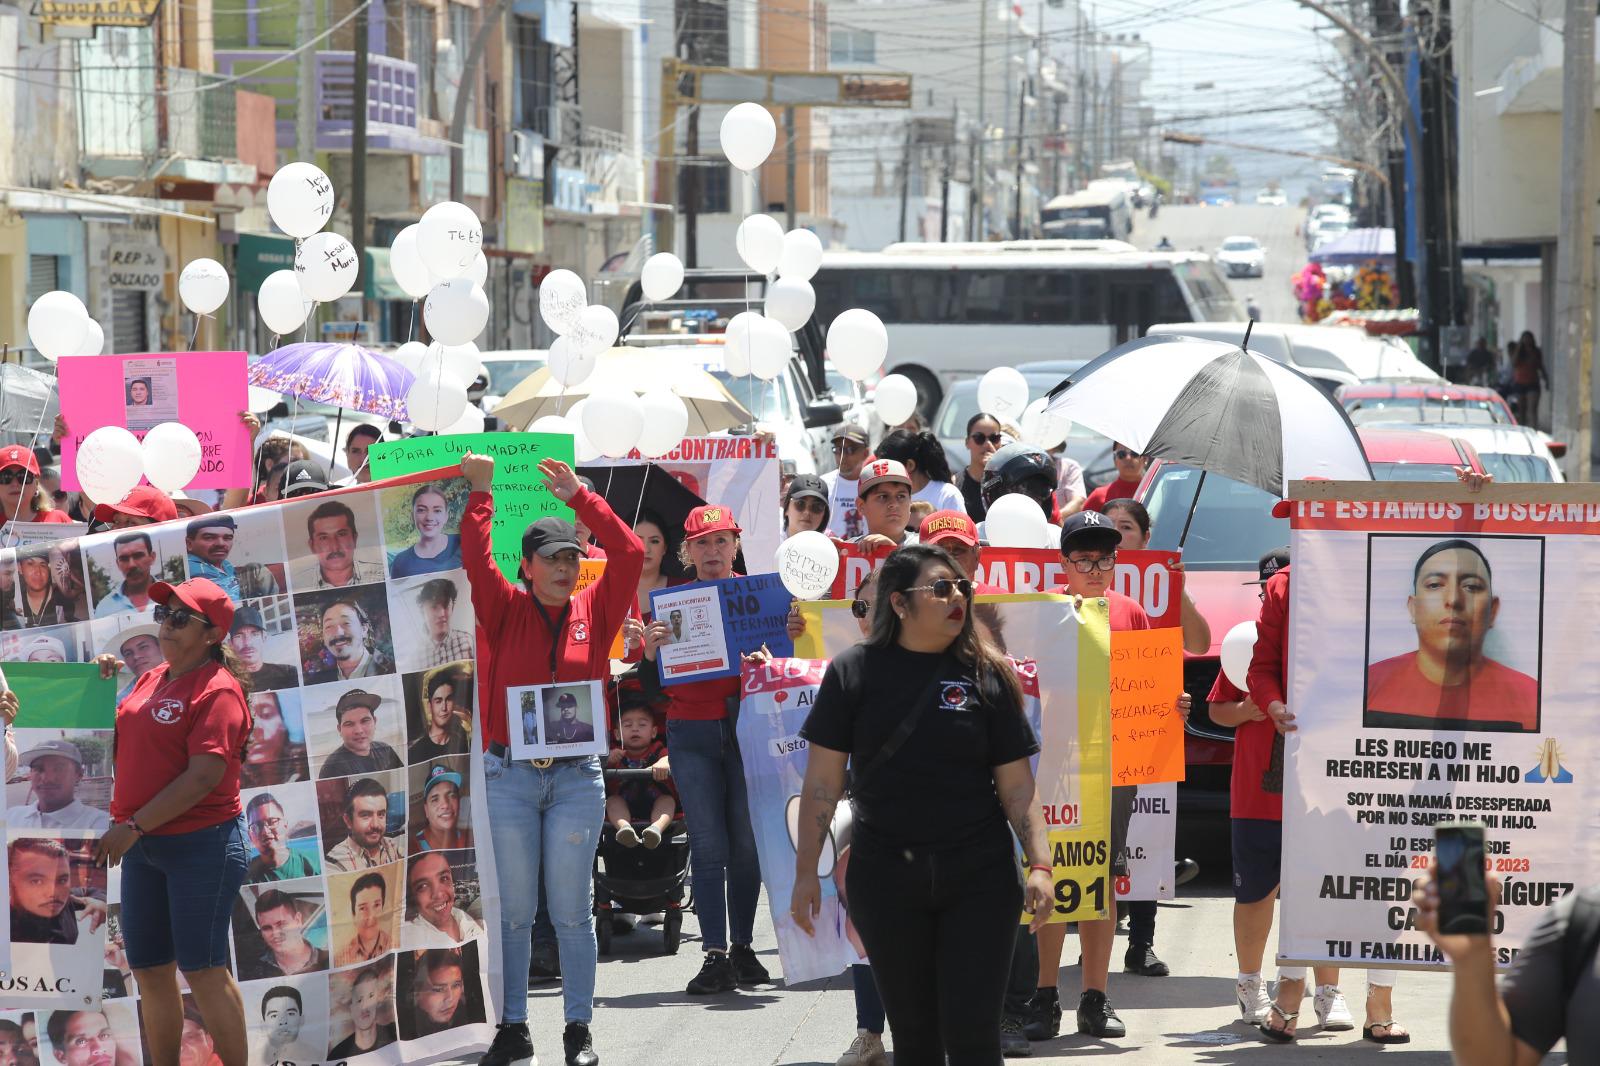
pixel 852 46
pixel 421 41
pixel 714 181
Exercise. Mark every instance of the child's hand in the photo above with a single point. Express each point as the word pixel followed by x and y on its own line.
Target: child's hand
pixel 614 760
pixel 661 768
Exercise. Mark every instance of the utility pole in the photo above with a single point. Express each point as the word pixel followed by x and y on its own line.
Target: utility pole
pixel 1387 22
pixel 1022 111
pixel 976 196
pixel 358 148
pixel 1082 127
pixel 788 167
pixel 305 110
pixel 905 177
pixel 949 165
pixel 1572 402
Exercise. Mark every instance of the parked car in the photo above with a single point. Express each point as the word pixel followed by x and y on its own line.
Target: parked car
pixel 506 369
pixel 1272 198
pixel 1404 454
pixel 1083 444
pixel 1513 454
pixel 1434 402
pixel 1334 356
pixel 1242 257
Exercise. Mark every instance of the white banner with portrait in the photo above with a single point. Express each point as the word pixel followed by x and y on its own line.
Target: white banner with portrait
pixel 360 933
pixel 1441 669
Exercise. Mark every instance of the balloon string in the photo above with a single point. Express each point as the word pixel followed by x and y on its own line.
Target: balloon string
pixel 11 527
pixel 643 484
pixel 411 330
pixel 196 334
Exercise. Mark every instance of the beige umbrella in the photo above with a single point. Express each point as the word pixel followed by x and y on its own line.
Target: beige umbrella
pixel 711 407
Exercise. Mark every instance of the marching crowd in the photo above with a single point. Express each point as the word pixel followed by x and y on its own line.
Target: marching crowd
pixel 941 801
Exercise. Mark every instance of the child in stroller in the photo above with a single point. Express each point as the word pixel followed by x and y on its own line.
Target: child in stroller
pixel 629 798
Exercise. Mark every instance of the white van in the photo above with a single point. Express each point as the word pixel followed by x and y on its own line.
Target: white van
pixel 1333 355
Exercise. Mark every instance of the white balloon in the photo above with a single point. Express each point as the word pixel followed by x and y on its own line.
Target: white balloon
pixel 405 263
pixel 666 419
pixel 94 339
pixel 807 564
pixel 662 276
pixel 568 365
pixel 57 325
pixel 410 355
pixel 478 270
pixel 1044 429
pixel 770 348
pixel 463 360
pixel 1237 649
pixel 203 286
pixel 613 419
pixel 583 448
pixel 260 400
pixel 895 399
pixel 748 134
pixel 300 199
pixel 449 238
pixel 280 303
pixel 552 424
pixel 802 255
pixel 1003 392
pixel 857 344
pixel 436 398
pixel 326 266
pixel 562 298
pixel 456 311
pixel 109 464
pixel 759 242
pixel 471 421
pixel 1015 521
pixel 596 330
pixel 736 343
pixel 790 303
pixel 171 456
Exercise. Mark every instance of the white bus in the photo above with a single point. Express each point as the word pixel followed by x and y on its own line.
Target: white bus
pixel 957 310
pixel 1103 210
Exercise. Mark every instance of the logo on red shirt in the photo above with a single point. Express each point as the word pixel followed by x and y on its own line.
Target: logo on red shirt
pixel 580 632
pixel 167 712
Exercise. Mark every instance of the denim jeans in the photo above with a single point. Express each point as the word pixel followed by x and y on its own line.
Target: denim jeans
pixel 722 846
pixel 869 1005
pixel 178 892
pixel 546 821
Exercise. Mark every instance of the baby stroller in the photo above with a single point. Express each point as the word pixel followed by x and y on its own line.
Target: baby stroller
pixel 640 880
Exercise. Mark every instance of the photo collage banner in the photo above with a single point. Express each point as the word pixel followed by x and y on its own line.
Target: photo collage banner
pixel 361 930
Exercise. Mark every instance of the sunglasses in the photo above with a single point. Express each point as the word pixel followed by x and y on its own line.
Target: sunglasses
pixel 13 476
pixel 986 438
pixel 944 588
pixel 1089 566
pixel 1125 453
pixel 859 608
pixel 809 505
pixel 847 447
pixel 180 617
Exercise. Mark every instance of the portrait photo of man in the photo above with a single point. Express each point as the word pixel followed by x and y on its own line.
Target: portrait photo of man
pixel 134 554
pixel 365 819
pixel 196 1046
pixel 565 722
pixel 369 933
pixel 444 994
pixel 359 751
pixel 139 648
pixel 437 921
pixel 275 860
pixel 277 752
pixel 364 1012
pixel 81 1038
pixel 446 642
pixel 446 708
pixel 283 924
pixel 1450 681
pixel 333 539
pixel 55 771
pixel 208 544
pixel 14 1050
pixel 283 1018
pixel 349 644
pixel 247 636
pixel 45 908
pixel 440 809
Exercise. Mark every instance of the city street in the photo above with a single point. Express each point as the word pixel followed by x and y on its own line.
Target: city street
pixel 1204 228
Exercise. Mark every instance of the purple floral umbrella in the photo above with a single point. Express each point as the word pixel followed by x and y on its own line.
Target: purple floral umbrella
pixel 340 375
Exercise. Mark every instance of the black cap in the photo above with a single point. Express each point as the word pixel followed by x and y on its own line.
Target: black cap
pixel 1089 531
pixel 356 697
pixel 246 616
pixel 548 536
pixel 1270 564
pixel 304 478
pixel 213 518
pixel 807 485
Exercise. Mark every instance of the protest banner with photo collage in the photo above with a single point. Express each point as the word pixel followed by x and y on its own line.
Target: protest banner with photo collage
pixel 361 927
pixel 1441 670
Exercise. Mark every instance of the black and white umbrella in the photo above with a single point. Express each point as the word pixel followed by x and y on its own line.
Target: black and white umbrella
pixel 1218 407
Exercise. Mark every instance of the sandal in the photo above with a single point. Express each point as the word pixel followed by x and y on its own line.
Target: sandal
pixel 1390 1037
pixel 1284 1035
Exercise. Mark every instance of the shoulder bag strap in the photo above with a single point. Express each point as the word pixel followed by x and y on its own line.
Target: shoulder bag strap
pixel 902 732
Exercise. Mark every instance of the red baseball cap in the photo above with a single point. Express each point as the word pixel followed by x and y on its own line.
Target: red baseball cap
pixel 145 501
pixel 712 518
pixel 16 455
pixel 201 595
pixel 948 525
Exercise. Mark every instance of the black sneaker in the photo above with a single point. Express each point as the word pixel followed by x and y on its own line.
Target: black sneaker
pixel 1141 959
pixel 716 975
pixel 746 967
pixel 1044 1022
pixel 545 964
pixel 1096 1017
pixel 511 1043
pixel 1013 1042
pixel 579 1045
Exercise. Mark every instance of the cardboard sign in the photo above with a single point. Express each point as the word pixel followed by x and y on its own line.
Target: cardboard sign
pixel 1148 578
pixel 855 563
pixel 1146 729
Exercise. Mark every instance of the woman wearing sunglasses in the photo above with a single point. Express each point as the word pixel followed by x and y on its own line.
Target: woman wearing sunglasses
pixel 983 437
pixel 1130 471
pixel 177 826
pixel 932 880
pixel 22 498
pixel 805 505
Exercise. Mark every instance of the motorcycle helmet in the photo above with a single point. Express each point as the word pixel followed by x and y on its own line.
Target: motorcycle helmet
pixel 1023 468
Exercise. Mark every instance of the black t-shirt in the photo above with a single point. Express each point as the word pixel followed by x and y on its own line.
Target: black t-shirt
pixel 937 791
pixel 972 493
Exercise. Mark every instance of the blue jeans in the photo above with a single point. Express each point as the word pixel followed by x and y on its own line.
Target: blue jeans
pixel 546 821
pixel 178 892
pixel 722 846
pixel 869 1005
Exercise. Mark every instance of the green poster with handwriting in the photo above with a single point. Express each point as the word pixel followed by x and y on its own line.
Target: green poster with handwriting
pixel 519 493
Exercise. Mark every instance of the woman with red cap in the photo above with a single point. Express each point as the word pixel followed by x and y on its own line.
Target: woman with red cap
pixel 710 777
pixel 177 827
pixel 21 497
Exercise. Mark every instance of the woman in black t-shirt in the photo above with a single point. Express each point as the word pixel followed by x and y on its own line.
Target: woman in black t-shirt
pixel 932 879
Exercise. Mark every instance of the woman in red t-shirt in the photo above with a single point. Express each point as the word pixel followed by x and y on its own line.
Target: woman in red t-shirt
pixel 177 829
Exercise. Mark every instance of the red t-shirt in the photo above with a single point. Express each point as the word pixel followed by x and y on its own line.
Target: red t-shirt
pixel 1400 696
pixel 1113 490
pixel 1252 754
pixel 162 724
pixel 1125 612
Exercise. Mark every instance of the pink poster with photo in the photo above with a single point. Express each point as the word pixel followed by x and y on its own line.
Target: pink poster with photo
pixel 202 390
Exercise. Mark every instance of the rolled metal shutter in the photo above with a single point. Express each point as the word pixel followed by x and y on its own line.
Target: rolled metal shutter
pixel 127 320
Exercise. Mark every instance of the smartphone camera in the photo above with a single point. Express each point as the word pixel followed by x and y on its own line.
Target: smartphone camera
pixel 1463 885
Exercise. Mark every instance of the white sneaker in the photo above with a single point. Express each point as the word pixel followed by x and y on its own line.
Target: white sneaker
pixel 1332 1011
pixel 1251 993
pixel 865 1050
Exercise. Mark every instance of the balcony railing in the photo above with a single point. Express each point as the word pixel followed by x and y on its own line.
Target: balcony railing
pixel 614 173
pixel 120 133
